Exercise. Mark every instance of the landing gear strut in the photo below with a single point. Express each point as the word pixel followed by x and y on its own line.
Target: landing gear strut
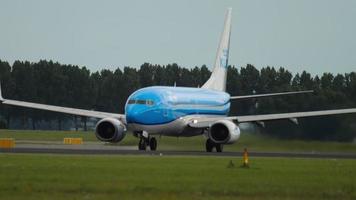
pixel 142 144
pixel 145 141
pixel 153 144
pixel 209 145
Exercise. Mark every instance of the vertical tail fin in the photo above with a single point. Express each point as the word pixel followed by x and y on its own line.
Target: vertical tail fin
pixel 217 80
pixel 1 99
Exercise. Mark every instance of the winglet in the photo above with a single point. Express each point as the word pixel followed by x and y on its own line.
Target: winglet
pixel 1 99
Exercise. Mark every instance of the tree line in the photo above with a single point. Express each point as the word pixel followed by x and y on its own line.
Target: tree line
pixel 53 83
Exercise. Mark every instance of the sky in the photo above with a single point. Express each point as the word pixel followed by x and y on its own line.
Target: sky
pixel 313 35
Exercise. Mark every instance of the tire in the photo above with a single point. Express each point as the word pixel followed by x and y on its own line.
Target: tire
pixel 142 145
pixel 153 144
pixel 209 145
pixel 219 147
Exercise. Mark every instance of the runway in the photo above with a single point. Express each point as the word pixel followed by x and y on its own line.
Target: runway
pixel 131 150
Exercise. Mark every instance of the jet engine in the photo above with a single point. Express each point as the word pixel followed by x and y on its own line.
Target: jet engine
pixel 224 132
pixel 110 130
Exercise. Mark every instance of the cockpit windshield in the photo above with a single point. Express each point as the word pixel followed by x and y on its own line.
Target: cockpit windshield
pixel 140 101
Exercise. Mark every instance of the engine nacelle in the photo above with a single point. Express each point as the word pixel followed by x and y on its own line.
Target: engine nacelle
pixel 110 130
pixel 224 132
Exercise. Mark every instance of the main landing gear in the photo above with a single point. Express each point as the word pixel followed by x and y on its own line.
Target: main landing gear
pixel 210 145
pixel 145 141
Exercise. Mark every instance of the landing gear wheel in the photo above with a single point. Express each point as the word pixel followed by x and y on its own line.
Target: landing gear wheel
pixel 142 144
pixel 153 144
pixel 209 145
pixel 219 147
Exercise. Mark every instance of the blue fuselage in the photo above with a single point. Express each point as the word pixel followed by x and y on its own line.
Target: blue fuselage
pixel 161 105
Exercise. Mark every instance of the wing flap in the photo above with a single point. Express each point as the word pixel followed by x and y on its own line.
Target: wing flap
pixel 267 117
pixel 206 122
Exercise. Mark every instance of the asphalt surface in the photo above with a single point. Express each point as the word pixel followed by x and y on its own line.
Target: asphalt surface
pixel 130 150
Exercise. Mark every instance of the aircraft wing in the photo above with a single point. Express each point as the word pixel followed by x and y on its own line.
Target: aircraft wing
pixel 270 94
pixel 73 111
pixel 206 122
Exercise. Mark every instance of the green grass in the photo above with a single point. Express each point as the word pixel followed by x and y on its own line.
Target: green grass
pixel 43 176
pixel 254 142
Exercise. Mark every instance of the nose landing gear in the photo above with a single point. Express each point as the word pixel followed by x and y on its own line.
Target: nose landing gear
pixel 146 140
pixel 142 144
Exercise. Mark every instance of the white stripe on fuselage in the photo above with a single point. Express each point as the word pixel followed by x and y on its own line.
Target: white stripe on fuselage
pixel 178 127
pixel 199 107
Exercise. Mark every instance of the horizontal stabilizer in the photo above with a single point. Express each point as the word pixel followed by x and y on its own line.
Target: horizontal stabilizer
pixel 270 94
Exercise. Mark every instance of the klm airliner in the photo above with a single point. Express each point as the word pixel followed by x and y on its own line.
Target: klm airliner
pixel 181 111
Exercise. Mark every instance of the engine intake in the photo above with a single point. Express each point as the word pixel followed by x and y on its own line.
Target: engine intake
pixel 110 130
pixel 224 132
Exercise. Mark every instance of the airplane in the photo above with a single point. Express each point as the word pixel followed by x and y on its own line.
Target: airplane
pixel 181 111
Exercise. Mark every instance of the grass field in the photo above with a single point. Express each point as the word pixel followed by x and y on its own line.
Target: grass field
pixel 254 142
pixel 44 176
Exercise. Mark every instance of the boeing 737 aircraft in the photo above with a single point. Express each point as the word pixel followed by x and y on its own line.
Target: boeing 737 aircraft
pixel 180 111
